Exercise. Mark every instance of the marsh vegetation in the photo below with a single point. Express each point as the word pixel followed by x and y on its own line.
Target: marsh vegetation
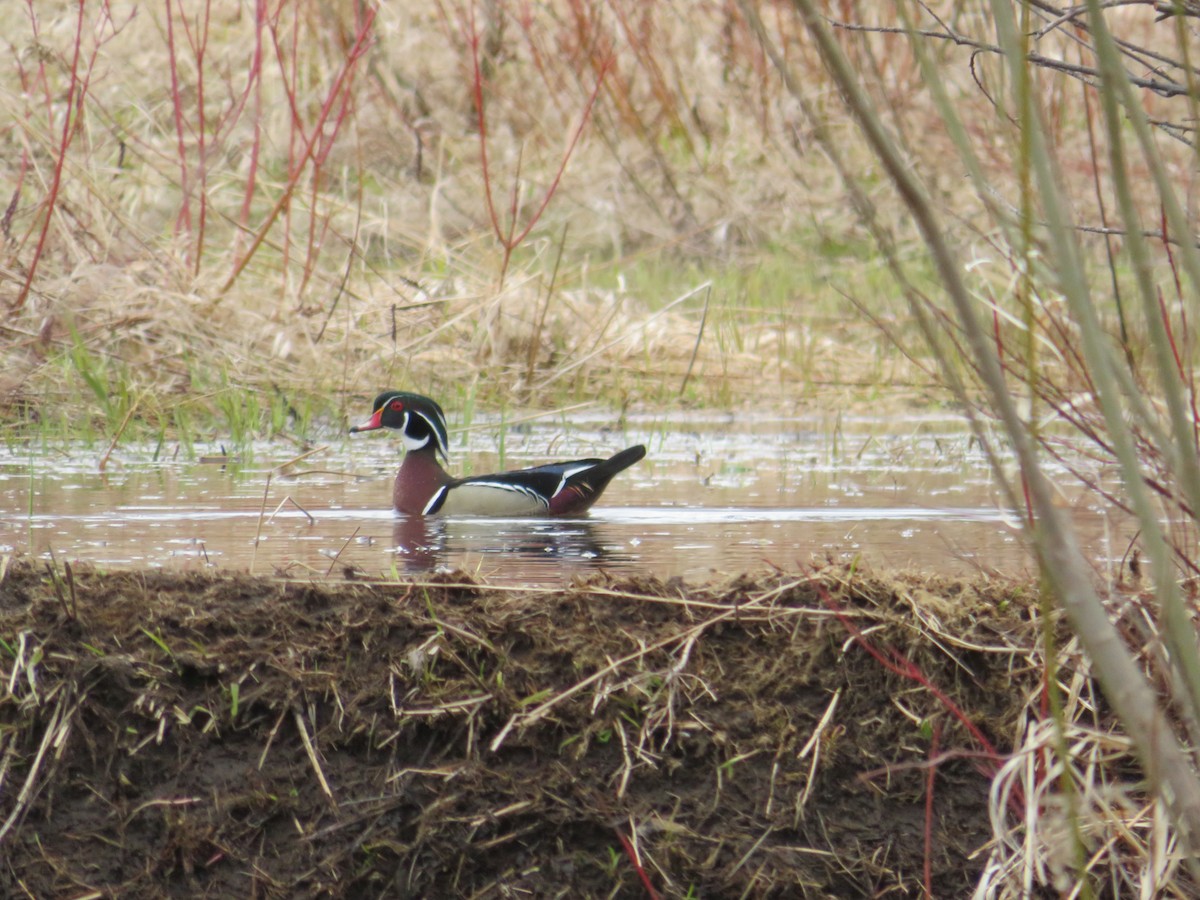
pixel 232 223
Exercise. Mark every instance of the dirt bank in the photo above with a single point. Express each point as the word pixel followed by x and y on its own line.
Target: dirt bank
pixel 206 735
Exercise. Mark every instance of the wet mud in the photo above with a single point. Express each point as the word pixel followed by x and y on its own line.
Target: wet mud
pixel 207 735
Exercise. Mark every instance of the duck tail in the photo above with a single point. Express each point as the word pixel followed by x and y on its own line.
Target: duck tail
pixel 585 486
pixel 618 462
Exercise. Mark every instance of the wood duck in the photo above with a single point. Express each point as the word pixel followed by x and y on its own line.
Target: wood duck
pixel 423 488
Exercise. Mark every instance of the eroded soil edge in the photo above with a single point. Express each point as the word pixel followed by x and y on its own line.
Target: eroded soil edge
pixel 218 735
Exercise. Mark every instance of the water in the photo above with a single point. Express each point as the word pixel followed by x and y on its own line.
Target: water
pixel 715 495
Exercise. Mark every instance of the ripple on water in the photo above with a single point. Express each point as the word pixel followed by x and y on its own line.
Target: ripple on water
pixel 777 492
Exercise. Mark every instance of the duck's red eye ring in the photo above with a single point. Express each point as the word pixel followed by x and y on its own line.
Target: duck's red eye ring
pixel 397 406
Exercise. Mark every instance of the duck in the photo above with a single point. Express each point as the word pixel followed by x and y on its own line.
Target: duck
pixel 424 488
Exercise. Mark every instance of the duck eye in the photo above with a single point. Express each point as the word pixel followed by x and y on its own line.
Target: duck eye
pixel 397 406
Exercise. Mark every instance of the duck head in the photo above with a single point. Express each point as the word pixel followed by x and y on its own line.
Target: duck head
pixel 420 421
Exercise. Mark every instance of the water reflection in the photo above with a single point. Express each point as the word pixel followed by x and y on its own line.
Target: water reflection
pixel 707 500
pixel 556 546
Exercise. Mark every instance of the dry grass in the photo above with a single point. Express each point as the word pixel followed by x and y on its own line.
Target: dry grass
pixel 1120 384
pixel 199 259
pixel 187 231
pixel 195 247
pixel 1069 799
pixel 382 267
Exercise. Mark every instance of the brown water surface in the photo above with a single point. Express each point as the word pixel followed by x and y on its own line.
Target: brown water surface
pixel 716 494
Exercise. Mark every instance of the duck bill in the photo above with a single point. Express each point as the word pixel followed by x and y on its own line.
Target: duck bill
pixel 371 424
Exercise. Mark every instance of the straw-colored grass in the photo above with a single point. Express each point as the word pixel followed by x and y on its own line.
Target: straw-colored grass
pixel 1106 350
pixel 658 139
pixel 177 226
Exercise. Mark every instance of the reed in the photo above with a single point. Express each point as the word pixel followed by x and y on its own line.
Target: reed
pixel 1090 334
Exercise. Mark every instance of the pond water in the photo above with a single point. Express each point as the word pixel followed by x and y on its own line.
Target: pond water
pixel 716 494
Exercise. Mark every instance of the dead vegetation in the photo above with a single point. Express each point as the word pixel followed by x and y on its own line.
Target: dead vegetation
pixel 192 246
pixel 192 735
pixel 826 734
pixel 537 202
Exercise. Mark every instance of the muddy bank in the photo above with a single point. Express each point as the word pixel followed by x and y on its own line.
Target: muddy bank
pixel 203 735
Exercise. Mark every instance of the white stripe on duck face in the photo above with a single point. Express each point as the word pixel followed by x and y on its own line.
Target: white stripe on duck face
pixel 410 442
pixel 437 425
pixel 437 429
pixel 488 498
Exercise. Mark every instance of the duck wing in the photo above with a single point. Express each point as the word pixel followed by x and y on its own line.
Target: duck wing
pixel 521 492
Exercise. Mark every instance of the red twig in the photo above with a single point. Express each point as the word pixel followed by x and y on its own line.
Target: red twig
pixel 647 43
pixel 74 109
pixel 254 82
pixel 198 41
pixel 1028 499
pixel 183 222
pixel 511 240
pixel 318 228
pixel 637 866
pixel 896 662
pixel 290 72
pixel 934 748
pixel 310 144
pixel 1166 320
